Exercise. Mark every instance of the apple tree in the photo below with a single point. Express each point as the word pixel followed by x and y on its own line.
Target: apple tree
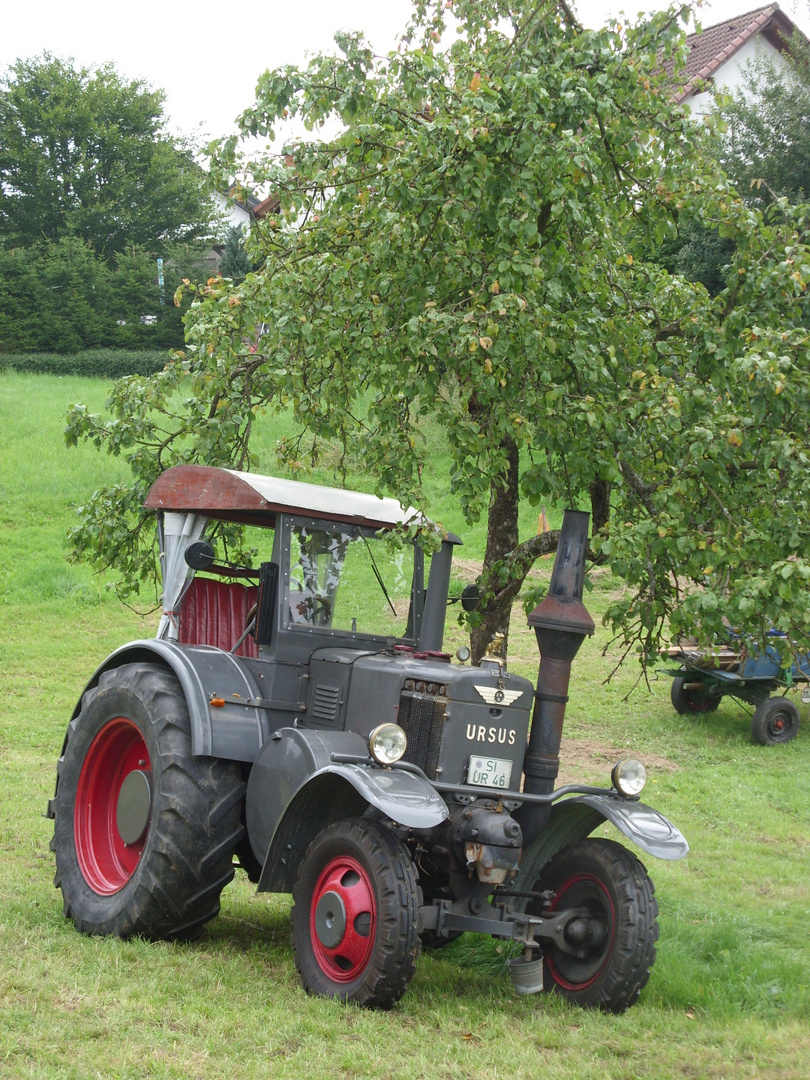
pixel 468 231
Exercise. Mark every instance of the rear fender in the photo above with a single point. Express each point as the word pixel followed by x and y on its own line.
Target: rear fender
pixel 232 730
pixel 295 790
pixel 574 819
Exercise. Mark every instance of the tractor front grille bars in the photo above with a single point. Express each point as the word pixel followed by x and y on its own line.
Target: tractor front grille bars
pixel 421 716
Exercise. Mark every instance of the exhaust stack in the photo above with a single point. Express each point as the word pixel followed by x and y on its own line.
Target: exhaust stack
pixel 561 623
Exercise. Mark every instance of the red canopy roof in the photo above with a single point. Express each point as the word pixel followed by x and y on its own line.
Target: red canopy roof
pixel 255 500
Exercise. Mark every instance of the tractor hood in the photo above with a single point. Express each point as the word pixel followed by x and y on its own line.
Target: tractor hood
pixel 450 713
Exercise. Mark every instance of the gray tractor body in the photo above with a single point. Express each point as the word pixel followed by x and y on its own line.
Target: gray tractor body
pixel 282 674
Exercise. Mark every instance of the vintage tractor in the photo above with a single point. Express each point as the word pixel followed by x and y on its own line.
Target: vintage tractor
pixel 301 719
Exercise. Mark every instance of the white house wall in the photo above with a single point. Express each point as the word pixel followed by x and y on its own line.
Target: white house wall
pixel 232 212
pixel 732 75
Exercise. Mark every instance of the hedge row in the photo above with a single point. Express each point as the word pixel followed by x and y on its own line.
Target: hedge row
pixel 61 297
pixel 96 363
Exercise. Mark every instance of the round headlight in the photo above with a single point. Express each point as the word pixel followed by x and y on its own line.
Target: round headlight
pixel 629 776
pixel 387 743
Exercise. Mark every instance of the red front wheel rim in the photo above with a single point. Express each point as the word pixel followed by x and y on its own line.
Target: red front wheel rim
pixel 106 860
pixel 578 973
pixel 343 918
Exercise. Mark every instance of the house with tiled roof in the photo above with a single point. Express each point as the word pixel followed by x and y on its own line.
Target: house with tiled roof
pixel 719 55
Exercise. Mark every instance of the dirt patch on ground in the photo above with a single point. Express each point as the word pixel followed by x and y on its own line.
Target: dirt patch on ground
pixel 472 568
pixel 401 607
pixel 581 759
pixel 468 567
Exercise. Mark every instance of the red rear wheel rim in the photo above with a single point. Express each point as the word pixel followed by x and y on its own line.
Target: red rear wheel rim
pixel 105 860
pixel 582 890
pixel 342 920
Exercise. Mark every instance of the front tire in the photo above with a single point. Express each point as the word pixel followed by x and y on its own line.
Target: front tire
pixel 614 947
pixel 144 832
pixel 354 922
pixel 775 720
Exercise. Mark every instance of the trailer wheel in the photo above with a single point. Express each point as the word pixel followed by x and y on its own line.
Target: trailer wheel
pixel 691 701
pixel 606 960
pixel 144 833
pixel 354 922
pixel 775 720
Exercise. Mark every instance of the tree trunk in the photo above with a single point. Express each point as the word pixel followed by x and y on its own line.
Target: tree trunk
pixel 599 491
pixel 507 562
pixel 502 540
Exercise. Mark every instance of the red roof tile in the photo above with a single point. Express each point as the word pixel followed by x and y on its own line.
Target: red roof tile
pixel 714 46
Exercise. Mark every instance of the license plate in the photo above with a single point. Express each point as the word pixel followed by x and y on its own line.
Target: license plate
pixel 489 772
pixel 806 695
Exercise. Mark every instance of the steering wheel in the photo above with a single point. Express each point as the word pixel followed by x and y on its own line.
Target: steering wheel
pixel 321 613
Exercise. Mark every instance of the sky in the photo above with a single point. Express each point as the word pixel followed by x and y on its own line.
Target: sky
pixel 207 57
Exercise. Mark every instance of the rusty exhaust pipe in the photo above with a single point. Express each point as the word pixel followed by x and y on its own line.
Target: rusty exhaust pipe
pixel 561 623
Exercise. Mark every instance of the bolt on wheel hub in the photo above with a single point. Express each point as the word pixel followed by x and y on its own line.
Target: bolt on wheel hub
pixel 134 806
pixel 330 920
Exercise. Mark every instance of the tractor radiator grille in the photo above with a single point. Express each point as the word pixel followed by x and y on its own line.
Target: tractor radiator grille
pixel 422 719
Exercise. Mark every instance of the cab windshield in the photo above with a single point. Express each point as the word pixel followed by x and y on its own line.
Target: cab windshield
pixel 347 579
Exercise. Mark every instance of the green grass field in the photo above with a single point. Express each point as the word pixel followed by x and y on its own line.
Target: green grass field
pixel 729 995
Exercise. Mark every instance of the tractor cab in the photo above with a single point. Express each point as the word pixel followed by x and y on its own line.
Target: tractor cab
pixel 324 566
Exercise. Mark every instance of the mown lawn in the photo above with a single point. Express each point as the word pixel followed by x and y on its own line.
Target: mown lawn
pixel 729 995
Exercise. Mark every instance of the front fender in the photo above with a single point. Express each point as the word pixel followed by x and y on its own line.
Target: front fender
pixel 231 731
pixel 574 819
pixel 295 790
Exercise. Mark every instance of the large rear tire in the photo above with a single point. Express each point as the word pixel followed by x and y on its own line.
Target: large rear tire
pixel 144 832
pixel 606 963
pixel 355 915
